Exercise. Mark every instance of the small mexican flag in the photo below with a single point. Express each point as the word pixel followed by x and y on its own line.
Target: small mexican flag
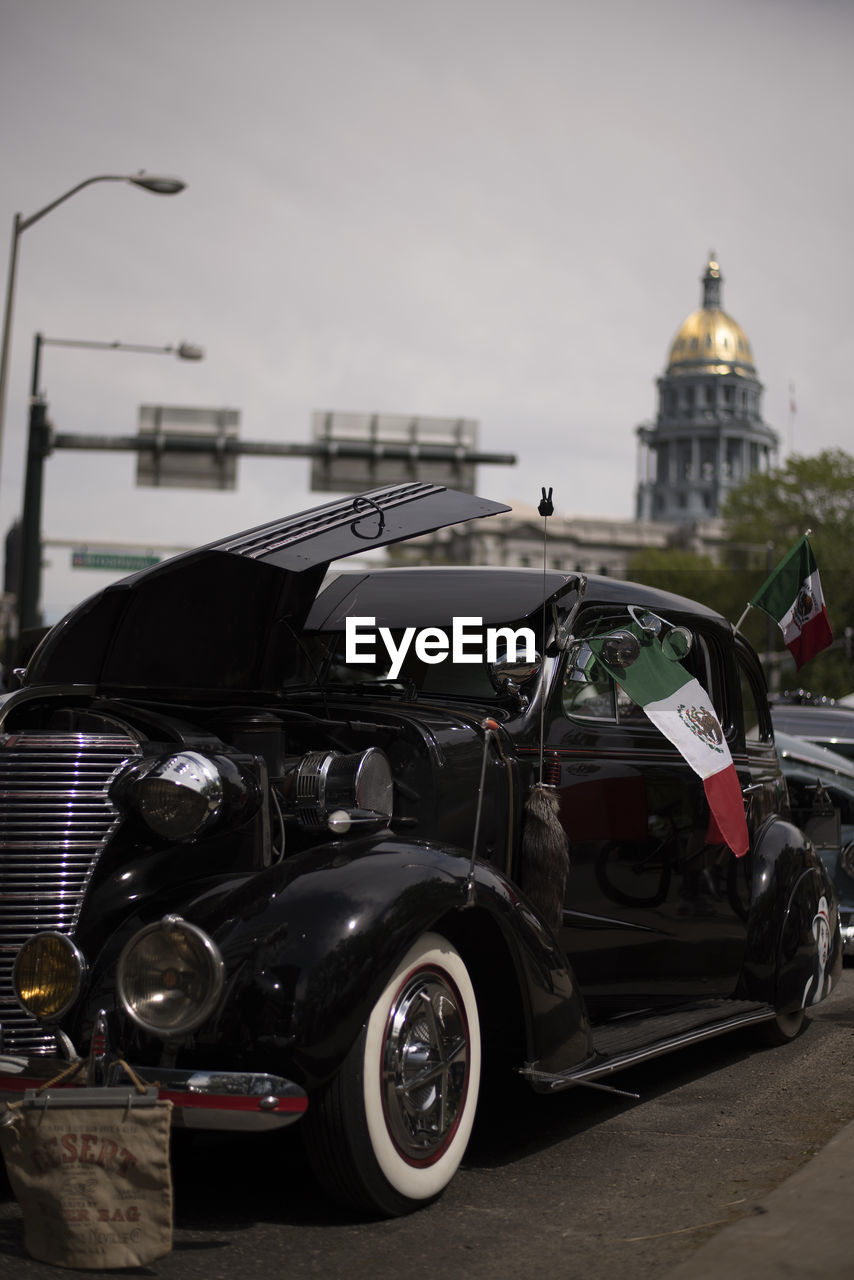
pixel 793 597
pixel 678 705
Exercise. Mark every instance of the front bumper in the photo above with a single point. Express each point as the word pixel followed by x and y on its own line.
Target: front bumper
pixel 222 1100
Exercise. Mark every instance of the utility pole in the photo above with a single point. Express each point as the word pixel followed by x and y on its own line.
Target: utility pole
pixel 38 448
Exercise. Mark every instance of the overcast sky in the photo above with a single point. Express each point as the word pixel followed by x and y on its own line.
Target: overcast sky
pixel 493 209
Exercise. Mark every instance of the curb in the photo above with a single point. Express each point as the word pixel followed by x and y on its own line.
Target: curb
pixel 804 1227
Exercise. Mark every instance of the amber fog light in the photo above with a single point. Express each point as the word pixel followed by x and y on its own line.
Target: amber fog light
pixel 170 976
pixel 47 975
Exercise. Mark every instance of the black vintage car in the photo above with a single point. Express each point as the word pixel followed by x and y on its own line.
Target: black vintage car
pixel 296 850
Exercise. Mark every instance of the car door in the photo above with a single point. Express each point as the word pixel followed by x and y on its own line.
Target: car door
pixel 655 908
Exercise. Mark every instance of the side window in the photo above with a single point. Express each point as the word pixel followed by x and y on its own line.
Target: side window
pixel 589 693
pixel 581 695
pixel 757 722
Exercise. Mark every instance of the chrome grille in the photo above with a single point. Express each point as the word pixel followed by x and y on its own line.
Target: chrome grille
pixel 55 818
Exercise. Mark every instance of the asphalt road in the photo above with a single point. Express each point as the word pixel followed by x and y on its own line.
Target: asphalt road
pixel 578 1185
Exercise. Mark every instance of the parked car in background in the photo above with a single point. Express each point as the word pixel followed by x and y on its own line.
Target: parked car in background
pixel 825 724
pixel 292 854
pixel 811 773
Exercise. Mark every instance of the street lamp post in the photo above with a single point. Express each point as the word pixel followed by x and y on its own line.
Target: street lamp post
pixel 38 448
pixel 183 350
pixel 148 182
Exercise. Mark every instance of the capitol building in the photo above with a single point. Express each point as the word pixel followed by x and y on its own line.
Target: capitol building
pixel 707 437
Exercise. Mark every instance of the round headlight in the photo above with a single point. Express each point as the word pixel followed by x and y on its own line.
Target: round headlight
pixel 170 976
pixel 327 781
pixel 180 796
pixel 367 778
pixel 47 975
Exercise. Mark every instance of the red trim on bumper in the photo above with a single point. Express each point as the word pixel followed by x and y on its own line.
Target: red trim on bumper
pixel 226 1102
pixel 10 1084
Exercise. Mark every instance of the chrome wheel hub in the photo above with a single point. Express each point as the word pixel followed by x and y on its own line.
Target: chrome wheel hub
pixel 425 1066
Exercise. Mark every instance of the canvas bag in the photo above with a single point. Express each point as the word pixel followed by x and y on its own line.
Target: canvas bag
pixel 90 1169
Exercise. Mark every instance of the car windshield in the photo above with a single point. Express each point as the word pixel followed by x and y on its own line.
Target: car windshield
pixel 397 664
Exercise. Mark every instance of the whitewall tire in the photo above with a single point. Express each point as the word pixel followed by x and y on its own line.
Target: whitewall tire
pixel 390 1131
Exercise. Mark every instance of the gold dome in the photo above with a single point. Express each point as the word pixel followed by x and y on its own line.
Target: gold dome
pixel 710 341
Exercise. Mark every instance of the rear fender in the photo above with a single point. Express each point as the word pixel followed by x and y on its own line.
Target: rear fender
pixel 810 955
pixel 794 951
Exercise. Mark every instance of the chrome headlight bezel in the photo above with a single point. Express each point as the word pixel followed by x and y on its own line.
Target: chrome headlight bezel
pixel 172 933
pixel 180 797
pixel 359 786
pixel 32 953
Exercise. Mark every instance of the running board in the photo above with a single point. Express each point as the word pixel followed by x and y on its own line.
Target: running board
pixel 629 1041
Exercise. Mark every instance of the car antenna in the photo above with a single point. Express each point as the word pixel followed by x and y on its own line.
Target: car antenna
pixel 545 847
pixel 546 509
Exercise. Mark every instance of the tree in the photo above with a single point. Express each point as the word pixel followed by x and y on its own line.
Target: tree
pixel 766 516
pixel 763 519
pixel 806 493
pixel 685 573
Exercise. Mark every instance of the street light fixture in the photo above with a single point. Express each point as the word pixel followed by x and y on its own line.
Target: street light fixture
pixel 149 182
pixel 183 351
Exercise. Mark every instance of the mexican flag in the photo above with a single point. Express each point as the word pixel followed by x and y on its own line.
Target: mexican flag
pixel 793 597
pixel 678 705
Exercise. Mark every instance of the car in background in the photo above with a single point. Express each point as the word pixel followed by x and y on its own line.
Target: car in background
pixel 821 794
pixel 826 724
pixel 289 877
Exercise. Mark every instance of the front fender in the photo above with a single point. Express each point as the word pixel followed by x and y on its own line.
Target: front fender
pixel 309 955
pixel 792 957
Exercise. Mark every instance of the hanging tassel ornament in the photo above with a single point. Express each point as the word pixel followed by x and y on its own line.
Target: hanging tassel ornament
pixel 545 854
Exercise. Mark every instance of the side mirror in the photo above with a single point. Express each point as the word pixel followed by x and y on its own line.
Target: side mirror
pixel 677 644
pixel 510 675
pixel 620 649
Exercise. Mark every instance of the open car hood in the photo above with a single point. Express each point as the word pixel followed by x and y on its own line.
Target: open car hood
pixel 226 617
pixel 343 528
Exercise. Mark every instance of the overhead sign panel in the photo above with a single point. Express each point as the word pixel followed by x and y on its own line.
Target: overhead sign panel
pixel 208 465
pixel 358 451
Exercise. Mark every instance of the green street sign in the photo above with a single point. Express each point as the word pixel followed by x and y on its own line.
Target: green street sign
pixel 115 561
